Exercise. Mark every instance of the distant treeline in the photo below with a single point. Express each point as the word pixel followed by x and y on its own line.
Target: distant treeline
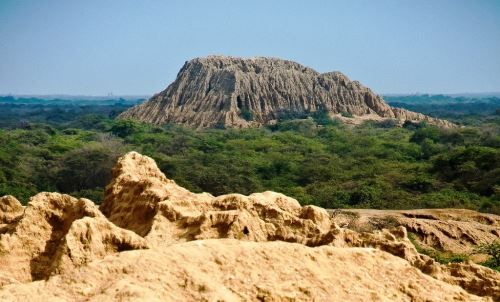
pixel 439 99
pixel 461 110
pixel 72 101
pixel 16 112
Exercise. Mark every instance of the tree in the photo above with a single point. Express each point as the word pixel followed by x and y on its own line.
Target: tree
pixel 86 168
pixel 468 167
pixel 426 133
pixel 124 128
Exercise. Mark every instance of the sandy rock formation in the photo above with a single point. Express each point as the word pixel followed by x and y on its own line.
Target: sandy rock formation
pixel 10 210
pixel 142 199
pixel 156 241
pixel 235 92
pixel 234 270
pixel 406 115
pixel 473 278
pixel 457 231
pixel 56 233
pixel 175 215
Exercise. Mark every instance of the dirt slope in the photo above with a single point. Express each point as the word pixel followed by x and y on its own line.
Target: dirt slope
pixel 232 270
pixel 451 230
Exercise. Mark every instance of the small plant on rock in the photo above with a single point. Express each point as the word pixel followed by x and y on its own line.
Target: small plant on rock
pixel 492 250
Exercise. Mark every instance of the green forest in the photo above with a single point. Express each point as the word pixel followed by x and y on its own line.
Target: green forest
pixel 71 148
pixel 469 110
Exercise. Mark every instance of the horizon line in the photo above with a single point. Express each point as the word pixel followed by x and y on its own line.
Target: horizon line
pixel 493 93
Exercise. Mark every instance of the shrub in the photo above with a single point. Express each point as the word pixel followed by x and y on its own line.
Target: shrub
pixel 246 114
pixel 421 134
pixel 347 114
pixel 321 117
pixel 492 250
pixel 387 123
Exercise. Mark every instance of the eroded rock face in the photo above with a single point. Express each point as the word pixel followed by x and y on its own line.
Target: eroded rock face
pixel 473 278
pixel 10 210
pixel 142 199
pixel 155 240
pixel 56 233
pixel 176 215
pixel 138 187
pixel 456 231
pixel 235 92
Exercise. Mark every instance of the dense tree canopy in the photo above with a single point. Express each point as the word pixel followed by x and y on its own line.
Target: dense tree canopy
pixel 317 160
pixel 331 165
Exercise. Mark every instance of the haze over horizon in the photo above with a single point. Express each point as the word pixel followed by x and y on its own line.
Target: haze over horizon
pixel 134 48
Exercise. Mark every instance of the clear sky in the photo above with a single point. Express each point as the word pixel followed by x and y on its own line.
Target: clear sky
pixel 127 47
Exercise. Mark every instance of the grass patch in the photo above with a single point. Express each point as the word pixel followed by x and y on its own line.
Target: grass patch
pixel 439 256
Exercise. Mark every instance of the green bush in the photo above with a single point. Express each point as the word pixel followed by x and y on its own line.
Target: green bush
pixel 246 114
pixel 492 250
pixel 346 114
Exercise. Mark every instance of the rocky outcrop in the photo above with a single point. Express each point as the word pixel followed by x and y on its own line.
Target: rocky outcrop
pixel 57 233
pixel 175 215
pixel 405 115
pixel 473 278
pixel 456 231
pixel 142 199
pixel 154 240
pixel 221 91
pixel 10 210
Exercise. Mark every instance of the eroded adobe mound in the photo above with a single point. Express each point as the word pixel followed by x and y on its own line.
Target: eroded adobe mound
pixel 142 199
pixel 237 92
pixel 57 233
pixel 450 230
pixel 154 240
pixel 233 270
pixel 10 210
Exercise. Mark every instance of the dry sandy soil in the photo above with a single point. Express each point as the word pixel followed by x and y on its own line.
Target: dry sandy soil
pixel 451 230
pixel 152 240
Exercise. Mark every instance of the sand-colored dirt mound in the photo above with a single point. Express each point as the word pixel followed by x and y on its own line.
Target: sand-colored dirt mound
pixel 10 210
pixel 142 199
pixel 473 278
pixel 249 92
pixel 232 270
pixel 152 239
pixel 450 230
pixel 56 233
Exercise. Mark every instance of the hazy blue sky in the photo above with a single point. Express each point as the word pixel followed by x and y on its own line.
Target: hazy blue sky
pixel 137 47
